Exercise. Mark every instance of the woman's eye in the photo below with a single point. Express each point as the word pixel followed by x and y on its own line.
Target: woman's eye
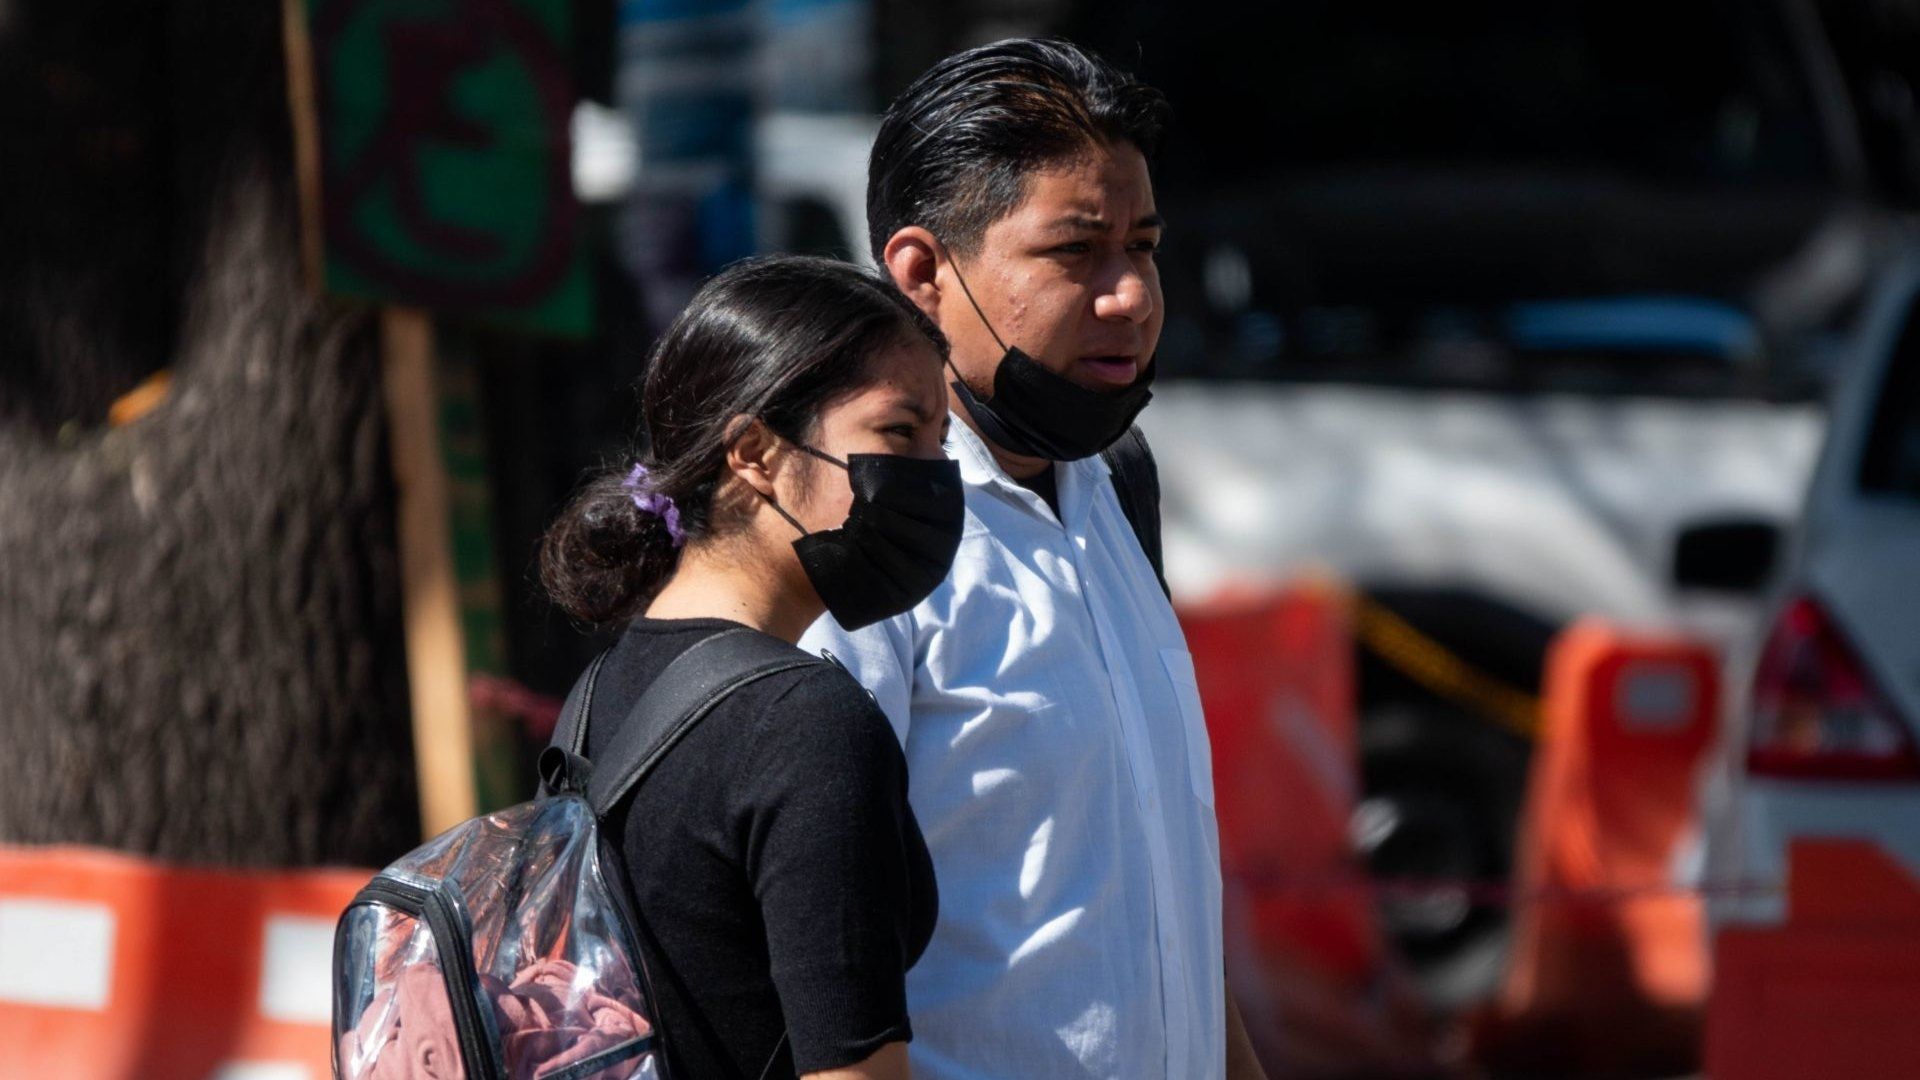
pixel 1150 247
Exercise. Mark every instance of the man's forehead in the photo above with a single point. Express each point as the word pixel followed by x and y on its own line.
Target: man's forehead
pixel 1096 191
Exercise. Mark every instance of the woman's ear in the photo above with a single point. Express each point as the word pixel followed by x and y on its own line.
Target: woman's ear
pixel 752 453
pixel 912 259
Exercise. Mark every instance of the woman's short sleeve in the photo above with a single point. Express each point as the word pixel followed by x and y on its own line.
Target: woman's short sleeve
pixel 827 835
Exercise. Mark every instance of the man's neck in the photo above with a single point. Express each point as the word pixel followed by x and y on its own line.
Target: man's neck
pixel 1046 484
pixel 1017 466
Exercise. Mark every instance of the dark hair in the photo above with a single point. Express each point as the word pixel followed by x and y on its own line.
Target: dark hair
pixel 955 148
pixel 777 338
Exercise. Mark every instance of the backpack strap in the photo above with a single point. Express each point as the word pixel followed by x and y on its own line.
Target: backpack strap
pixel 563 764
pixel 1136 480
pixel 682 696
pixel 571 732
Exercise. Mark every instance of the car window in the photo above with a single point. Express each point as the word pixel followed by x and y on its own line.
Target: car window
pixel 1891 464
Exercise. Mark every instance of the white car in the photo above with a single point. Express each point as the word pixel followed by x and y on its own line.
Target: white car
pixel 1825 746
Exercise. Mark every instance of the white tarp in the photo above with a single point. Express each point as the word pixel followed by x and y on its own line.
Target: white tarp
pixel 1564 505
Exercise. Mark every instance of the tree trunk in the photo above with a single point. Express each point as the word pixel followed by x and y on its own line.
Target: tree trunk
pixel 200 637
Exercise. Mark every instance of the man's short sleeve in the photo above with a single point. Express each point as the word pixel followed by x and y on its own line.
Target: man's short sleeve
pixel 879 656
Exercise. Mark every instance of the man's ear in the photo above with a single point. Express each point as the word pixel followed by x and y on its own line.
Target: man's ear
pixel 912 258
pixel 752 453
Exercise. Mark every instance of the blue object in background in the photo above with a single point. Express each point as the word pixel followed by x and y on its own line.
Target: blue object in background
pixel 695 77
pixel 686 84
pixel 1635 324
pixel 819 55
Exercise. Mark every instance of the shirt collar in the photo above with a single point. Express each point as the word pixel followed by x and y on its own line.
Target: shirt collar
pixel 978 469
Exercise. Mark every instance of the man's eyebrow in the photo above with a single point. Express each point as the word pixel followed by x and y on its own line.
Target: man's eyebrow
pixel 1096 223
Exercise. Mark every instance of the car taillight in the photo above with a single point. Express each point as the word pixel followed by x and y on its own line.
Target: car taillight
pixel 1816 712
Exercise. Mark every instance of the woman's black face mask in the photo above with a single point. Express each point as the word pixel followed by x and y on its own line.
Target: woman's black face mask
pixel 898 542
pixel 1037 413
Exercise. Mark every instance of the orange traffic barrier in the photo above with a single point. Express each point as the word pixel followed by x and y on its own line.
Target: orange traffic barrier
pixel 1276 676
pixel 115 966
pixel 1320 992
pixel 1614 972
pixel 1831 992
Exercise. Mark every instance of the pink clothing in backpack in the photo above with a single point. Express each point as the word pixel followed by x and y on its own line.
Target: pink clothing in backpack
pixel 547 1024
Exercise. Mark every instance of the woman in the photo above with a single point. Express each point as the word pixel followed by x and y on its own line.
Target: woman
pixel 795 415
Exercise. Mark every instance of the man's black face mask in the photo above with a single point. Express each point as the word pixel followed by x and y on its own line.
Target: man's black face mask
pixel 1036 413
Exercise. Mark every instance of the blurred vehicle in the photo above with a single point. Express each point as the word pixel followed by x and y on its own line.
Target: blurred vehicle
pixel 1826 747
pixel 1485 522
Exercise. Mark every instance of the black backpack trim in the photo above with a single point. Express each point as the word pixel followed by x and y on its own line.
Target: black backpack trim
pixel 1136 480
pixel 453 944
pixel 605 1059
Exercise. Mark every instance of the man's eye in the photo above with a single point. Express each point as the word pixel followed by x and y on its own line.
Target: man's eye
pixel 1078 247
pixel 1151 247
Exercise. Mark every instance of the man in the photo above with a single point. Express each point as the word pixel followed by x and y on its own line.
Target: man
pixel 1044 694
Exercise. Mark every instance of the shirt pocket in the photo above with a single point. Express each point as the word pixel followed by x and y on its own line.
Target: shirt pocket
pixel 1193 721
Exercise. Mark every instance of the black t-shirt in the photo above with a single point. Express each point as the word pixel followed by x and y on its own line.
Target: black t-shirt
pixel 774 858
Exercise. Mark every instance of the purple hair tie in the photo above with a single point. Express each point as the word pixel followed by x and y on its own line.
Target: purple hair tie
pixel 652 502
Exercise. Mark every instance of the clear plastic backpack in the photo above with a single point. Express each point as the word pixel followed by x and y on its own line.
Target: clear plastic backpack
pixel 507 947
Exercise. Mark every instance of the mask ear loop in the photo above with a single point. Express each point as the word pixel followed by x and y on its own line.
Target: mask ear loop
pixel 781 510
pixel 976 308
pixel 778 509
pixel 955 265
pixel 822 455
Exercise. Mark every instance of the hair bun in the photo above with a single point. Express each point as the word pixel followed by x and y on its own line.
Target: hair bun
pixel 602 558
pixel 612 531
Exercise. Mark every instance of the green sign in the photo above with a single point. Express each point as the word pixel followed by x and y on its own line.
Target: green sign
pixel 445 164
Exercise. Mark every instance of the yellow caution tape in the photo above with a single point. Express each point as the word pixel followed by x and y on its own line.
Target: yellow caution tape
pixel 1442 671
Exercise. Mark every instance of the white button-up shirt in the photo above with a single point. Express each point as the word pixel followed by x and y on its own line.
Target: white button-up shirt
pixel 1058 765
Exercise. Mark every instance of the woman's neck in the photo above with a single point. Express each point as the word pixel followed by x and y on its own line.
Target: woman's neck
pixel 713 585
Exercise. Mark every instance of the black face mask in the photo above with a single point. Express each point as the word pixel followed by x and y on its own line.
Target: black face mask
pixel 898 543
pixel 1036 413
